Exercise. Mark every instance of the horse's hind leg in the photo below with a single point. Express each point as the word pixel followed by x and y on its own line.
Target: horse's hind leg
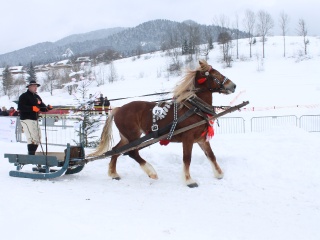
pixel 146 167
pixel 112 172
pixel 205 146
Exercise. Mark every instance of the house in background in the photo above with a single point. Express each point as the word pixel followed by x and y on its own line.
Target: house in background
pixel 17 70
pixel 62 64
pixel 85 61
pixel 41 68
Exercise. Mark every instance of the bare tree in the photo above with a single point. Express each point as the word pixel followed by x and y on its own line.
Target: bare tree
pixel 283 20
pixel 176 64
pixel 224 37
pixel 248 22
pixel 236 23
pixel 52 82
pixel 205 50
pixel 302 31
pixel 265 24
pixel 19 85
pixel 112 73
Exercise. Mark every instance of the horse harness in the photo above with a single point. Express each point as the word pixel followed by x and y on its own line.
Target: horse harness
pixel 206 77
pixel 195 106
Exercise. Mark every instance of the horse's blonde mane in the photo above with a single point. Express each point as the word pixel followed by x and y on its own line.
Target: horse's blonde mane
pixel 185 88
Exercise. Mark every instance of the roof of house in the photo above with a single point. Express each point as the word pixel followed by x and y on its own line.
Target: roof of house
pixel 17 69
pixel 83 59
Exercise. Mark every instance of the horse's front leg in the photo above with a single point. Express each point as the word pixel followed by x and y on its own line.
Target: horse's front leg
pixel 205 146
pixel 187 152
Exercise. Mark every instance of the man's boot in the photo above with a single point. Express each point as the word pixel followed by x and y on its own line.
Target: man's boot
pixel 32 148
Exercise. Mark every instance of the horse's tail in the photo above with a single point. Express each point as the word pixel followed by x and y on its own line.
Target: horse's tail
pixel 106 138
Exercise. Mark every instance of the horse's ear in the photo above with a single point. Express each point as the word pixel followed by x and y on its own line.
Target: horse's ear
pixel 202 63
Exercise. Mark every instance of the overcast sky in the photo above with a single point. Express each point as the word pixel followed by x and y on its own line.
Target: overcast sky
pixel 25 23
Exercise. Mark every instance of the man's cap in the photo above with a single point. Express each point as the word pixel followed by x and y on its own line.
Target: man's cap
pixel 32 82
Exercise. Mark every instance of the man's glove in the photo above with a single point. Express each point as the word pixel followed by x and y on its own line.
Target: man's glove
pixel 49 107
pixel 35 109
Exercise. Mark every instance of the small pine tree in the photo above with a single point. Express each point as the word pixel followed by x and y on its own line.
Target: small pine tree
pixel 88 124
pixel 7 81
pixel 210 43
pixel 32 73
pixel 185 47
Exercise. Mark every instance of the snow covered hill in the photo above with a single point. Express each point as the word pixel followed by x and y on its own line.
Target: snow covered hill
pixel 271 184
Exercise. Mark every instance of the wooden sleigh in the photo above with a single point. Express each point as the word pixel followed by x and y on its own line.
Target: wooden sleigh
pixel 51 165
pixel 73 159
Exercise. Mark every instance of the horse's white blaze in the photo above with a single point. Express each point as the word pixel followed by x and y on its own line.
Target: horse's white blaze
pixel 149 170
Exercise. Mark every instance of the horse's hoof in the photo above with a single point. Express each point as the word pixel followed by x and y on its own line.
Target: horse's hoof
pixel 193 185
pixel 116 178
pixel 153 176
pixel 219 176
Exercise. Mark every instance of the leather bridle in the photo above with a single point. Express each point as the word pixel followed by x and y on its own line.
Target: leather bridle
pixel 209 77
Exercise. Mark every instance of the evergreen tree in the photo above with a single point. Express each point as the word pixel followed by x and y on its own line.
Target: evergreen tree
pixel 7 81
pixel 210 43
pixel 89 124
pixel 185 47
pixel 32 73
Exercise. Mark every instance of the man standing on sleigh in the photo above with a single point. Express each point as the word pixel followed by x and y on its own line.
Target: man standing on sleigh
pixel 29 106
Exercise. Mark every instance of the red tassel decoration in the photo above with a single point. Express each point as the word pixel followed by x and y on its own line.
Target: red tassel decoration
pixel 164 142
pixel 202 80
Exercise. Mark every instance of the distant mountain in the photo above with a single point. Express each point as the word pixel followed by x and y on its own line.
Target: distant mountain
pixel 94 35
pixel 146 37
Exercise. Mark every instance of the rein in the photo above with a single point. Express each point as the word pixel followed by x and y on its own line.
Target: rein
pixel 146 95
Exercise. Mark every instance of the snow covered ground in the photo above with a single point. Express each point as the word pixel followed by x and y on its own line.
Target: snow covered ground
pixel 271 186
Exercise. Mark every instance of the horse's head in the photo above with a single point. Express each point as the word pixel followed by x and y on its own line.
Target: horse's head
pixel 212 80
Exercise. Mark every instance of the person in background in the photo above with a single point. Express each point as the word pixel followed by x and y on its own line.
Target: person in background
pixel 99 104
pixel 29 105
pixel 5 111
pixel 13 112
pixel 106 105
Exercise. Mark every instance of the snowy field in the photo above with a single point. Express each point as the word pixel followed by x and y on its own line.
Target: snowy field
pixel 271 184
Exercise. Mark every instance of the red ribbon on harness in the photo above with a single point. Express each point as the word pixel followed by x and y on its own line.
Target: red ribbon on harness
pixel 201 80
pixel 164 142
pixel 210 130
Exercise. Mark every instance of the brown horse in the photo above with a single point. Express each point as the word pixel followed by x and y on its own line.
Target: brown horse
pixel 138 117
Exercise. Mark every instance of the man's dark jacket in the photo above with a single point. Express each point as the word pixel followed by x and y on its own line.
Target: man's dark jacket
pixel 26 101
